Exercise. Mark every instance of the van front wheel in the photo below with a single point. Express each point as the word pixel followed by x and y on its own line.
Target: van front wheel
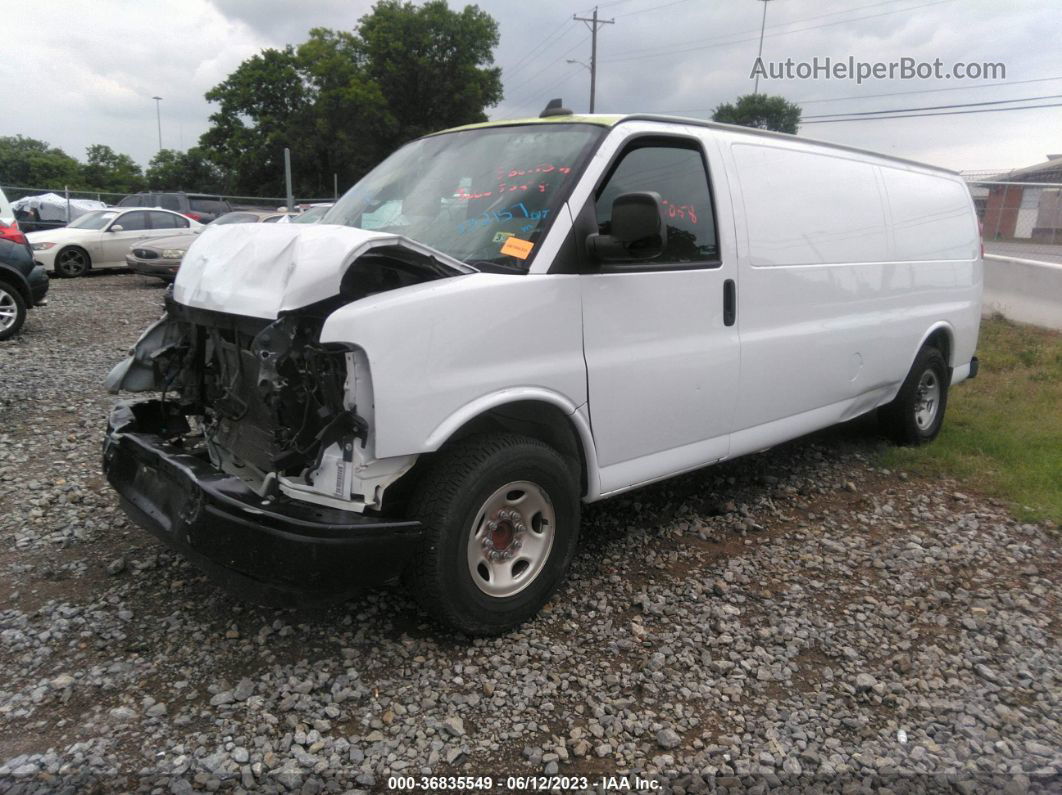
pixel 916 414
pixel 502 513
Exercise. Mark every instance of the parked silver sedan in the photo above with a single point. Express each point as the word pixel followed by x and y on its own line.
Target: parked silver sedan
pixel 162 258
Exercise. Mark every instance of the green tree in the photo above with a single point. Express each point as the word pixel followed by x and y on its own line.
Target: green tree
pixel 343 100
pixel 107 170
pixel 433 64
pixel 762 112
pixel 36 164
pixel 188 171
pixel 263 108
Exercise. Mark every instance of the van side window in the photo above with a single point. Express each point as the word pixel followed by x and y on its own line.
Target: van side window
pixel 676 171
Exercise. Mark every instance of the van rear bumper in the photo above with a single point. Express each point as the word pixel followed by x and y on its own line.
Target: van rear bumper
pixel 275 551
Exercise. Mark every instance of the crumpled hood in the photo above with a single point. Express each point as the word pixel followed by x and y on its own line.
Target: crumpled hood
pixel 261 270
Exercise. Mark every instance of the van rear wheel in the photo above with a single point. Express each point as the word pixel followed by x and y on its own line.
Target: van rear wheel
pixel 502 513
pixel 917 413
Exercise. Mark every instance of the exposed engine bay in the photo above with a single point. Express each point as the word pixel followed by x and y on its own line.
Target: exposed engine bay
pixel 265 400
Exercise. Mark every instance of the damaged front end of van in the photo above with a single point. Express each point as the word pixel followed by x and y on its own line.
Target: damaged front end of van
pixel 255 456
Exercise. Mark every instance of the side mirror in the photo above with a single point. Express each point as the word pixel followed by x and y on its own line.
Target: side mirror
pixel 116 228
pixel 637 227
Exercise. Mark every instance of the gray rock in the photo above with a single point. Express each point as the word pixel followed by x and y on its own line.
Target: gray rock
pixel 668 738
pixel 454 726
pixel 865 682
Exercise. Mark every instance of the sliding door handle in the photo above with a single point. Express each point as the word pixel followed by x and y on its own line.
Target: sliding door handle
pixel 729 303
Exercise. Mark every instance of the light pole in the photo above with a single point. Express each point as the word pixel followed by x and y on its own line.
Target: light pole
pixel 591 71
pixel 158 118
pixel 763 24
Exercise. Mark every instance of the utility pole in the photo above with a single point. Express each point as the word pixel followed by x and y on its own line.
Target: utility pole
pixel 593 23
pixel 158 118
pixel 763 24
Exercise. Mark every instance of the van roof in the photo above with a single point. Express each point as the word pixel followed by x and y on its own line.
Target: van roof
pixel 611 120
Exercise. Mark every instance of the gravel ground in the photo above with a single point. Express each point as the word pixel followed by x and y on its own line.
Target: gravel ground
pixel 795 619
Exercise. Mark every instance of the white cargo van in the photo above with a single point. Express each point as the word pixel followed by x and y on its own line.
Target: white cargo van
pixel 505 320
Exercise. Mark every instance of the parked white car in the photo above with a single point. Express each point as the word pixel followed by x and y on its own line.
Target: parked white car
pixel 102 238
pixel 503 321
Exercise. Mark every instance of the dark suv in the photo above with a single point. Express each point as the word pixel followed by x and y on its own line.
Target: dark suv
pixel 197 206
pixel 23 284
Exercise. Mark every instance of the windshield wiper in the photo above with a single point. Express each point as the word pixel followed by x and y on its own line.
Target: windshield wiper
pixel 498 265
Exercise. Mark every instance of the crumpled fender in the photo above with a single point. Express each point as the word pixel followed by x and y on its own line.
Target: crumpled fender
pixel 136 373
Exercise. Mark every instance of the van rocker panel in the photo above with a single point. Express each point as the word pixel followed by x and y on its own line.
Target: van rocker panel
pixel 277 551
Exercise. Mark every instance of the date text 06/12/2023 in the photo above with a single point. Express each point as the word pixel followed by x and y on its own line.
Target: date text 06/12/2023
pixel 618 783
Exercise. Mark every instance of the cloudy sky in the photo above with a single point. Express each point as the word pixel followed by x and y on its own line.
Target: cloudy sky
pixel 78 73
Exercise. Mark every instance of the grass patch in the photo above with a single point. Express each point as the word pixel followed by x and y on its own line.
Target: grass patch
pixel 1003 431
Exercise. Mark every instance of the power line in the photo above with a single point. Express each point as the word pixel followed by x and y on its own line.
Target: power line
pixel 656 8
pixel 562 28
pixel 773 27
pixel 890 94
pixel 943 113
pixel 933 107
pixel 723 40
pixel 559 40
pixel 928 90
pixel 531 79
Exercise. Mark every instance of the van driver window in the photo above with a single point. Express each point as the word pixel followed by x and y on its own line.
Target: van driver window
pixel 677 174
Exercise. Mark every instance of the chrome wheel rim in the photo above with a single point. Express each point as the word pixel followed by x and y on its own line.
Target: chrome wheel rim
pixel 8 310
pixel 71 262
pixel 927 400
pixel 511 538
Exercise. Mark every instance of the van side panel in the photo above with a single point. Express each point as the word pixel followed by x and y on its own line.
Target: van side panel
pixel 844 273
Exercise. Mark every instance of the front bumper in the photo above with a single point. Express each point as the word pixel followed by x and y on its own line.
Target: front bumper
pixel 162 268
pixel 278 551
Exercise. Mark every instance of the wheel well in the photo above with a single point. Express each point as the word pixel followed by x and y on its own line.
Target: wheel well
pixel 941 340
pixel 17 286
pixel 534 418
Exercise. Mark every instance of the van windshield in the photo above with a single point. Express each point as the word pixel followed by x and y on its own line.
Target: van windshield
pixel 485 196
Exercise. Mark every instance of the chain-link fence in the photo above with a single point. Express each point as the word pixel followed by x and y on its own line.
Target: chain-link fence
pixel 58 206
pixel 1020 211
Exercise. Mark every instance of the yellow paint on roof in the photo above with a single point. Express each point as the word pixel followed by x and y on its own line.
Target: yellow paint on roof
pixel 596 118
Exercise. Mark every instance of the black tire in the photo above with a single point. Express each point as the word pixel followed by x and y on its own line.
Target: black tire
pixel 450 499
pixel 904 419
pixel 72 261
pixel 12 311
